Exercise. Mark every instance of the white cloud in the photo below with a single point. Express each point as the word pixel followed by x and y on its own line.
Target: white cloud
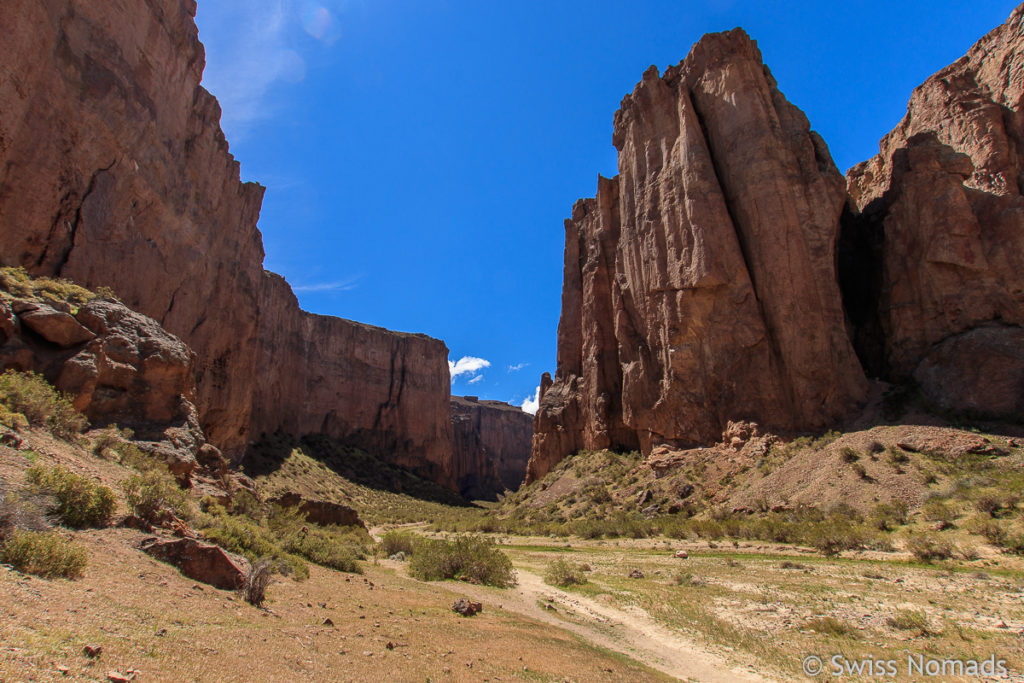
pixel 467 365
pixel 517 367
pixel 339 286
pixel 476 379
pixel 530 405
pixel 251 45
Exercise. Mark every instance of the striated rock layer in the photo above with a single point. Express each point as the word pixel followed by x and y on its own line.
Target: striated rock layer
pixel 114 172
pixel 490 446
pixel 934 240
pixel 700 283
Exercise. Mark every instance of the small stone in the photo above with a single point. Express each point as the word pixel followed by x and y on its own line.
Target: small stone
pixel 466 607
pixel 63 670
pixel 636 574
pixel 117 677
pixel 92 651
pixel 328 622
pixel 681 555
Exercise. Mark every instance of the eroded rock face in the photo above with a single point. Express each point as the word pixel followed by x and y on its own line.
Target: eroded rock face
pixel 699 284
pixel 114 172
pixel 490 446
pixel 935 235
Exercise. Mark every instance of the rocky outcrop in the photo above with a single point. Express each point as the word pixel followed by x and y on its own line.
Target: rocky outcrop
pixel 490 446
pixel 199 561
pixel 934 239
pixel 118 366
pixel 320 512
pixel 114 172
pixel 700 283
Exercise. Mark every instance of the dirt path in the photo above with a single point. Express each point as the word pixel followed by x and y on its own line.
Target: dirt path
pixel 633 632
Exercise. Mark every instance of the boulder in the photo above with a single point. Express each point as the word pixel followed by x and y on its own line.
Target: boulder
pixel 199 561
pixel 467 607
pixel 54 326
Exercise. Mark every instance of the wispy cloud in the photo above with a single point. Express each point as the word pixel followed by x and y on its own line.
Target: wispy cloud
pixel 517 367
pixel 339 286
pixel 530 405
pixel 252 45
pixel 476 379
pixel 467 365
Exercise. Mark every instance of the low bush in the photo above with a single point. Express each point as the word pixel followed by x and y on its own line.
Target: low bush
pixel 929 547
pixel 563 573
pixel 910 620
pixel 43 553
pixel 80 502
pixel 832 627
pixel 467 558
pixel 849 455
pixel 938 511
pixel 43 406
pixel 398 542
pixel 833 536
pixel 257 579
pixel 154 496
pixel 888 516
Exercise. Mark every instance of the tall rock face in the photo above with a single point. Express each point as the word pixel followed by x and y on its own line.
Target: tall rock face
pixel 934 239
pixel 114 172
pixel 700 283
pixel 490 446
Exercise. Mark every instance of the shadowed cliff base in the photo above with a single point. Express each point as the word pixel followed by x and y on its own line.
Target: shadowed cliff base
pixel 351 464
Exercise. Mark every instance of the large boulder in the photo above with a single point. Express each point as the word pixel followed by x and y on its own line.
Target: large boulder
pixel 199 561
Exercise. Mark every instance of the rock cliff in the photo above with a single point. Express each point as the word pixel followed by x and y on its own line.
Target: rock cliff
pixel 490 446
pixel 719 276
pixel 700 283
pixel 934 239
pixel 114 172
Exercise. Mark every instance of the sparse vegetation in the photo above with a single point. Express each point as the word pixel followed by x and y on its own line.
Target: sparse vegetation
pixel 467 558
pixel 20 284
pixel 393 542
pixel 562 572
pixel 155 497
pixel 929 547
pixel 910 620
pixel 29 395
pixel 43 553
pixel 79 502
pixel 831 626
pixel 257 579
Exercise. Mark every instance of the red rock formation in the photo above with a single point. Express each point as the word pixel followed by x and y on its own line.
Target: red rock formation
pixel 700 283
pixel 490 446
pixel 114 172
pixel 935 278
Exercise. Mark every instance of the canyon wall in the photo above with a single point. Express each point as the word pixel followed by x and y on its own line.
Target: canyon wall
pixel 728 272
pixel 114 172
pixel 490 446
pixel 700 282
pixel 934 239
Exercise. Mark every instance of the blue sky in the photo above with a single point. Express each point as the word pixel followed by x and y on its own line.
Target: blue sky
pixel 420 156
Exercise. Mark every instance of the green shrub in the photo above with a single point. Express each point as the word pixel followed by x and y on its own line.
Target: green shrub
pixel 831 626
pixel 251 540
pixel 81 502
pixel 897 456
pixel 888 516
pixel 937 511
pixel 849 455
pixel 929 547
pixel 43 553
pixel 467 558
pixel 910 620
pixel 563 573
pixel 398 542
pixel 43 406
pixel 154 496
pixel 321 547
pixel 833 536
